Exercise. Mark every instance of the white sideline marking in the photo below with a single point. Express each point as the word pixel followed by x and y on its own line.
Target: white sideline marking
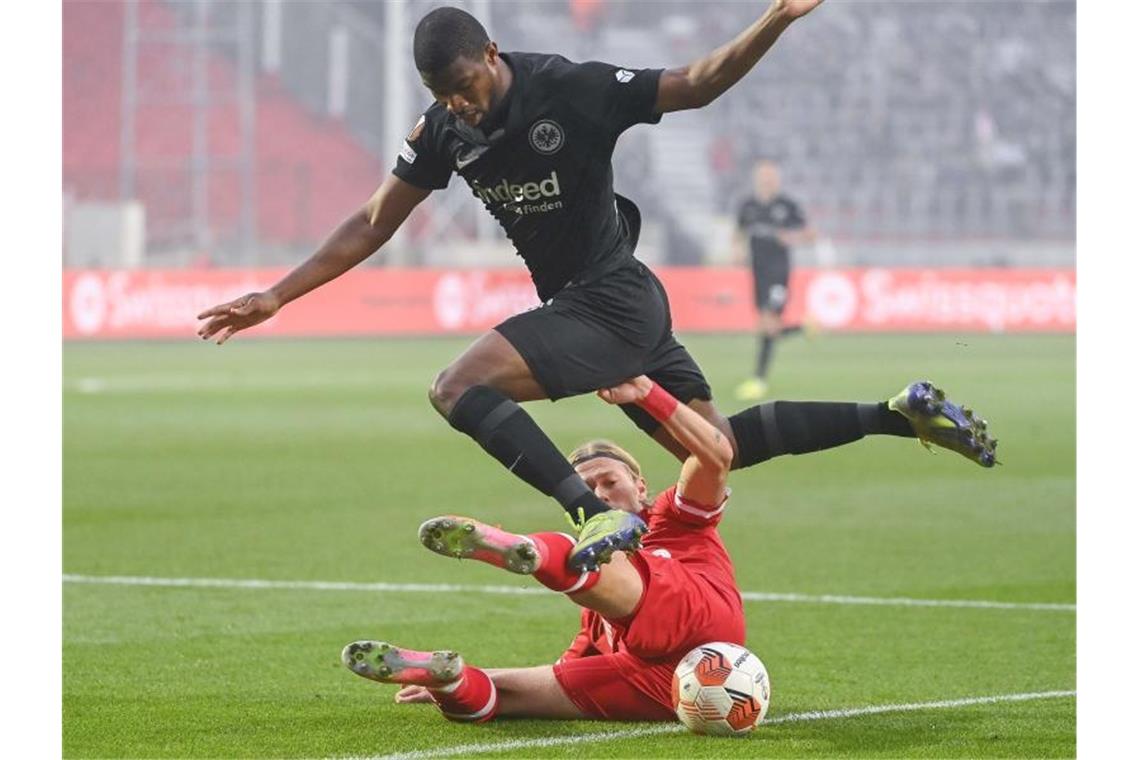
pixel 669 728
pixel 748 596
pixel 902 601
pixel 253 583
pixel 182 384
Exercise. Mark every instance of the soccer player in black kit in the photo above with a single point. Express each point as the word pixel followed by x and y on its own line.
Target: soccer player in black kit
pixel 532 135
pixel 772 223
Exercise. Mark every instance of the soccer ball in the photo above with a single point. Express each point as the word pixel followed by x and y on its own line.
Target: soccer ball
pixel 721 689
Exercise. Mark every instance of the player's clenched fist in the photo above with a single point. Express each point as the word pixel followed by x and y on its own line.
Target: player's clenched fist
pixel 238 314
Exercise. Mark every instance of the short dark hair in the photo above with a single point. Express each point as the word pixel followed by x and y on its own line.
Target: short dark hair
pixel 444 35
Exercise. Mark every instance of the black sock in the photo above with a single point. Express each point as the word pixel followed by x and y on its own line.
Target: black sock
pixel 879 419
pixel 767 344
pixel 790 330
pixel 508 433
pixel 800 427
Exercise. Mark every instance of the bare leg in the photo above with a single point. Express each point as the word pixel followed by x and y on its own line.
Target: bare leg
pixel 613 590
pixel 478 394
pixel 523 693
pixel 617 592
pixel 491 361
pixel 532 693
pixel 535 692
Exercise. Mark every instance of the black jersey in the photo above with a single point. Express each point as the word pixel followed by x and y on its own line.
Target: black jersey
pixel 544 169
pixel 760 221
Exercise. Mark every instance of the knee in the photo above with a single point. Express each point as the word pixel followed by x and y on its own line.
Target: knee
pixel 446 389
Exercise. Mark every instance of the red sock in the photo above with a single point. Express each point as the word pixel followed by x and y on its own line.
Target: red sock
pixel 471 699
pixel 554 548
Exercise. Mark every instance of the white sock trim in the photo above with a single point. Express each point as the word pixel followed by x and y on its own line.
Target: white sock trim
pixel 581 578
pixel 451 686
pixel 579 583
pixel 482 713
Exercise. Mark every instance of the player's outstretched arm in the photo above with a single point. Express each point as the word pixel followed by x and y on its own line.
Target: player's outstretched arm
pixel 357 238
pixel 704 475
pixel 703 81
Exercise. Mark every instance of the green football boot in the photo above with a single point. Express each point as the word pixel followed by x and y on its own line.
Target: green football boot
pixel 465 538
pixel 938 420
pixel 602 535
pixel 387 663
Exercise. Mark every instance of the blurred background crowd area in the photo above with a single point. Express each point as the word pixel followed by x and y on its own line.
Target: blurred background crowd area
pixel 239 134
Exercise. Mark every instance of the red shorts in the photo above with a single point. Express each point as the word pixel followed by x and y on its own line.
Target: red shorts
pixel 678 611
pixel 614 686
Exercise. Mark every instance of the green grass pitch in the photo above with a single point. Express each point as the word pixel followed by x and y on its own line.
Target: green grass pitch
pixel 308 460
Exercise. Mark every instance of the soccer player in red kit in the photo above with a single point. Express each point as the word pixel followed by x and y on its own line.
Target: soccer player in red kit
pixel 641 613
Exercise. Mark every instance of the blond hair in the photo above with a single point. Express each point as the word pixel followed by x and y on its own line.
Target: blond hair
pixel 600 447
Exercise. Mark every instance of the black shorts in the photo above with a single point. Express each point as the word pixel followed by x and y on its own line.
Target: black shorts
pixel 771 283
pixel 598 334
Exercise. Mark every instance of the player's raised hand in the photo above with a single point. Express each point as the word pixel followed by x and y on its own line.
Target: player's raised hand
pixel 228 318
pixel 795 8
pixel 629 392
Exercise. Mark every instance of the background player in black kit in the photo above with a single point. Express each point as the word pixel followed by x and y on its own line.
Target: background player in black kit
pixel 772 224
pixel 532 135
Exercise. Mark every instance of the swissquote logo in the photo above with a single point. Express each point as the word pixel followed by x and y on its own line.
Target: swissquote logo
pixel 546 137
pixel 623 75
pixel 546 190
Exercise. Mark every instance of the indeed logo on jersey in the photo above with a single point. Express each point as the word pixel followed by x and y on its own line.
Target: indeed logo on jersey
pixel 516 195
